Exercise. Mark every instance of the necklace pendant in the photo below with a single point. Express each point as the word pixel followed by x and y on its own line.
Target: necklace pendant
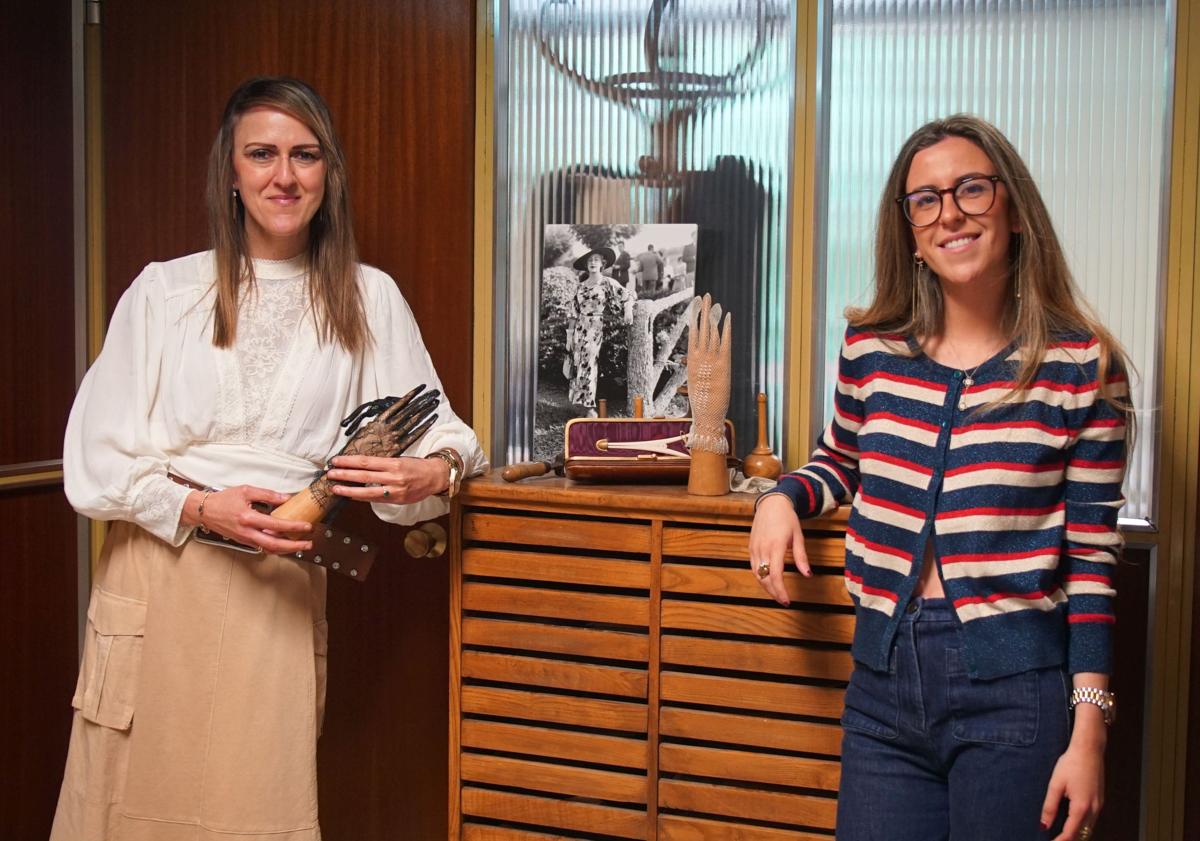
pixel 962 403
pixel 968 382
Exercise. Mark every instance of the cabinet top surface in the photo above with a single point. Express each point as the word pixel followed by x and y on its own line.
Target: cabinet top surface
pixel 641 500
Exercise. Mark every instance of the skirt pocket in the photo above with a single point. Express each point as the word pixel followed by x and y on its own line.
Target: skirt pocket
pixel 112 658
pixel 321 661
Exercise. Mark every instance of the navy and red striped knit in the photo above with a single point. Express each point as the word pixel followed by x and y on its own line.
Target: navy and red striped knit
pixel 1022 499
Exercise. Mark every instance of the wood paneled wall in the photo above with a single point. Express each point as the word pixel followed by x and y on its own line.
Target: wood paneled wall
pixel 399 78
pixel 36 234
pixel 37 377
pixel 1125 756
pixel 1191 816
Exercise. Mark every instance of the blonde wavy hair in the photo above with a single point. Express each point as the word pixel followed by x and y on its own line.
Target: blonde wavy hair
pixel 332 254
pixel 1048 303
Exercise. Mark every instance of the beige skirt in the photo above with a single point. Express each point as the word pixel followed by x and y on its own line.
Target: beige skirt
pixel 200 697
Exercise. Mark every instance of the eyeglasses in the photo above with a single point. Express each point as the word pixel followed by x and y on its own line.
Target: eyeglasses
pixel 974 196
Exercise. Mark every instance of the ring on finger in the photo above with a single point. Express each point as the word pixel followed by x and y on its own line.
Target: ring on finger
pixel 763 569
pixel 1085 832
pixel 387 492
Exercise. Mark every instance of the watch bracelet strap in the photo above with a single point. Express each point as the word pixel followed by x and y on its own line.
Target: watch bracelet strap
pixel 1094 695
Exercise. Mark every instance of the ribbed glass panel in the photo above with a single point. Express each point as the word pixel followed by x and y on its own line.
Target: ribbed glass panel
pixel 1080 87
pixel 646 111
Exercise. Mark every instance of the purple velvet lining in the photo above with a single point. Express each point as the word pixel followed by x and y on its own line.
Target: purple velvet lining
pixel 582 436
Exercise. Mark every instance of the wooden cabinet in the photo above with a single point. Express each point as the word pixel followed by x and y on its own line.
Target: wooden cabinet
pixel 616 671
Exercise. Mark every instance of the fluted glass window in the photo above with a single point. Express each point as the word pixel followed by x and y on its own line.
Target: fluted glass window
pixel 628 113
pixel 1082 89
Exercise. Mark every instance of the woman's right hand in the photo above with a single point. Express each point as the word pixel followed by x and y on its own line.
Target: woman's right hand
pixel 776 529
pixel 231 513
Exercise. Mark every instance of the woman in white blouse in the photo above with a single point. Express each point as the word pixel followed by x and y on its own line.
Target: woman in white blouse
pixel 221 384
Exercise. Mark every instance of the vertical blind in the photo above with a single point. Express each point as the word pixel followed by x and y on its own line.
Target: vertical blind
pixel 1081 88
pixel 638 112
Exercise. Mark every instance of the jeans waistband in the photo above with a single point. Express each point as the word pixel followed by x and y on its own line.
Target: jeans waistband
pixel 921 609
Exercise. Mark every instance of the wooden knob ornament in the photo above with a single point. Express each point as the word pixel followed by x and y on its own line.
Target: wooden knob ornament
pixel 761 461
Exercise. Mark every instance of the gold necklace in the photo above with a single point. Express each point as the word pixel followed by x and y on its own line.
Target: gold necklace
pixel 968 376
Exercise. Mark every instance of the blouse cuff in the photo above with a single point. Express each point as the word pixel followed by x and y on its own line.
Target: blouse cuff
pixel 157 507
pixel 429 508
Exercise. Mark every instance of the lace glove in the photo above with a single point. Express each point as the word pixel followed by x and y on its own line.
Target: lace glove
pixel 398 422
pixel 708 367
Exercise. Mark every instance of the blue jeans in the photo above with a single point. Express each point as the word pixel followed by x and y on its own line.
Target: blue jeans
pixel 929 754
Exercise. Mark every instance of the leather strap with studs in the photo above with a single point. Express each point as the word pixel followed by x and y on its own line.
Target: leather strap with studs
pixel 339 551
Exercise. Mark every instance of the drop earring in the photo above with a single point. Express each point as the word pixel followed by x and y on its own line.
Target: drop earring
pixel 918 269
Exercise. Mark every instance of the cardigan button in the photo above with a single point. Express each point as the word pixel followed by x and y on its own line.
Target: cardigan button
pixel 913 606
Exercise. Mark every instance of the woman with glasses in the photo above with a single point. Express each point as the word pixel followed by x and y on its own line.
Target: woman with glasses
pixel 979 433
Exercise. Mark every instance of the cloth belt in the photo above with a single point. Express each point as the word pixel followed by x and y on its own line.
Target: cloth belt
pixel 331 548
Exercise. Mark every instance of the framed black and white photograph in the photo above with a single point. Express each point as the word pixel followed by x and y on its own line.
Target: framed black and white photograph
pixel 613 323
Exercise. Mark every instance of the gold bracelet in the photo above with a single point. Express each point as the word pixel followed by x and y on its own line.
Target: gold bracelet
pixel 200 510
pixel 454 462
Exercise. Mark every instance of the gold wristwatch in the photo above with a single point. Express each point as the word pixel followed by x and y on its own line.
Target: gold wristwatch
pixel 1102 698
pixel 456 471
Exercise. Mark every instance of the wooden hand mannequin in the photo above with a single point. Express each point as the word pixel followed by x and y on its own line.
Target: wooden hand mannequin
pixel 708 365
pixel 398 423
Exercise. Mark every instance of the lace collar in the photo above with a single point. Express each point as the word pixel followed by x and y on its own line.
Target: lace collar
pixel 281 269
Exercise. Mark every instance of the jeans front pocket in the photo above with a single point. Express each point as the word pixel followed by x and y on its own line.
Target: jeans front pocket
pixel 872 704
pixel 1002 711
pixel 112 659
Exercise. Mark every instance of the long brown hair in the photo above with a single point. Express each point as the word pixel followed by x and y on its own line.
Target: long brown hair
pixel 1043 301
pixel 332 255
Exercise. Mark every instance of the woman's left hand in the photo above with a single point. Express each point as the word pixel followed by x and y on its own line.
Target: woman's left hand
pixel 395 480
pixel 1079 776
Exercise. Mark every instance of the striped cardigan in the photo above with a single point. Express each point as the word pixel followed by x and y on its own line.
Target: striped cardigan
pixel 1020 500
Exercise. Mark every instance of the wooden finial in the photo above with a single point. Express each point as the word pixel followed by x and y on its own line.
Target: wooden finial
pixel 638 406
pixel 761 461
pixel 602 408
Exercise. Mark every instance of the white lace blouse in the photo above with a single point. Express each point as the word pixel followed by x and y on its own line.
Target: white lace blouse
pixel 265 412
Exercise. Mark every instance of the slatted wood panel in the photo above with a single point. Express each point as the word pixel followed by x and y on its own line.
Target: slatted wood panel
pixel 748 803
pixel 737 671
pixel 736 583
pixel 601 672
pixel 478 832
pixel 792 660
pixel 567 569
pixel 717 763
pixel 39 658
pixel 538 636
pixel 555 604
pixel 556 778
pixel 782 734
pixel 557 533
pixel 732 545
pixel 555 672
pixel 568 814
pixel 680 828
pixel 534 671
pixel 557 709
pixel 785 623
